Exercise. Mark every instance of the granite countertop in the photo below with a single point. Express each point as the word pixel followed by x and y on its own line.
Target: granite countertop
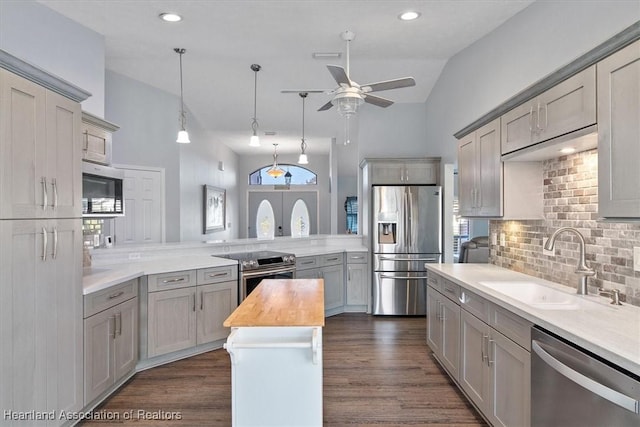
pixel 612 332
pixel 98 278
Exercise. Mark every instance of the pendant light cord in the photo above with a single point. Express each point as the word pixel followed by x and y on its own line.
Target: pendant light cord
pixel 254 121
pixel 183 116
pixel 303 145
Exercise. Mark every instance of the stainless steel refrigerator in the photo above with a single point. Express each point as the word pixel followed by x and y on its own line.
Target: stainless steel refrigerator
pixel 406 233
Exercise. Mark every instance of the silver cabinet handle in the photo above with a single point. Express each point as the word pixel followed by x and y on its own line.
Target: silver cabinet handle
pixel 86 141
pixel 307 262
pixel 112 322
pixel 357 257
pixel 332 259
pixel 44 193
pixel 181 279
pixel 531 119
pixel 482 347
pixel 463 298
pixel 349 273
pixel 489 347
pixel 194 301
pixel 116 295
pixel 54 187
pixel 613 396
pixel 219 274
pixel 538 128
pixel 546 117
pixel 54 254
pixel 118 324
pixel 201 300
pixel 451 291
pixel 44 244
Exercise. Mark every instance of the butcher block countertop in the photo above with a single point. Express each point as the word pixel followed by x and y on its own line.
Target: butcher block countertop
pixel 281 302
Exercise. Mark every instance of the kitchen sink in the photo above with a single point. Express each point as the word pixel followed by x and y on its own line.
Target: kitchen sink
pixel 535 295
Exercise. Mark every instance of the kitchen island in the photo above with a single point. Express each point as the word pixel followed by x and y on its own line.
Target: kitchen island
pixel 275 347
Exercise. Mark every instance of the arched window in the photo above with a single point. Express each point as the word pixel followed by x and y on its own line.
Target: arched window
pixel 298 176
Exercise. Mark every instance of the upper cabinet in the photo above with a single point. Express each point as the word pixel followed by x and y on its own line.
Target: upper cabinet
pixel 566 107
pixel 404 171
pixel 96 138
pixel 39 151
pixel 619 133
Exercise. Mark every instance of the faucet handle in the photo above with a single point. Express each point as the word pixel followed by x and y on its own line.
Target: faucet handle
pixel 616 296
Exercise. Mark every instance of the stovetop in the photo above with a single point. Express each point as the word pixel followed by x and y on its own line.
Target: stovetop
pixel 261 259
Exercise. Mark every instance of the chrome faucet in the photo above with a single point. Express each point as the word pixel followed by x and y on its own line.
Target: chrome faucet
pixel 582 269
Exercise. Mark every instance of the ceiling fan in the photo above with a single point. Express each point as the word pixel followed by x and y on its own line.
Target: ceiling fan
pixel 349 95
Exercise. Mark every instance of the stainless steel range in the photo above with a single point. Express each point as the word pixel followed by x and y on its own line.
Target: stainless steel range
pixel 255 266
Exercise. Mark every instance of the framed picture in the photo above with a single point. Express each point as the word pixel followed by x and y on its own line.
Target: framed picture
pixel 214 203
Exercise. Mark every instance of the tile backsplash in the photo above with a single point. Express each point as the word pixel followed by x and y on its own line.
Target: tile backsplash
pixel 571 200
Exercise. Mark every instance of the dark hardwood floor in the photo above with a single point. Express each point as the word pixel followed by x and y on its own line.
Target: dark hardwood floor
pixel 378 371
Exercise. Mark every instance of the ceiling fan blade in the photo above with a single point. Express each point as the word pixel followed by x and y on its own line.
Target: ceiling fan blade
pixel 377 100
pixel 326 106
pixel 339 74
pixel 389 84
pixel 302 90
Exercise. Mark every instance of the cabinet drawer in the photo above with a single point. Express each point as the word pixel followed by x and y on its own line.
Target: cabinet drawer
pixel 357 257
pixel 433 280
pixel 450 290
pixel 303 263
pixel 106 298
pixel 332 259
pixel 216 274
pixel 511 325
pixel 475 305
pixel 173 280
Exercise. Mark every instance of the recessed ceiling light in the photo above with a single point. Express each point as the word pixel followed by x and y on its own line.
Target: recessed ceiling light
pixel 409 15
pixel 170 17
pixel 568 150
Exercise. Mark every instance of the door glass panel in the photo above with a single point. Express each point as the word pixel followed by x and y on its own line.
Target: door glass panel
pixel 300 219
pixel 265 221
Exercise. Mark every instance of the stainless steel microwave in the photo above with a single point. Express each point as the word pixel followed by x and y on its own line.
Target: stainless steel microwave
pixel 102 191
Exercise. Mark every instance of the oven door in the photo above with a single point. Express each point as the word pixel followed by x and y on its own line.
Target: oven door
pixel 251 279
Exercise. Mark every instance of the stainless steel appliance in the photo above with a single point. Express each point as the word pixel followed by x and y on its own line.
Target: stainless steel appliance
pixel 572 387
pixel 102 191
pixel 253 267
pixel 407 233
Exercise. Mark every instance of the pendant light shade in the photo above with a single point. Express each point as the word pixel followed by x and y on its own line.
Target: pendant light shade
pixel 255 140
pixel 183 135
pixel 303 159
pixel 275 171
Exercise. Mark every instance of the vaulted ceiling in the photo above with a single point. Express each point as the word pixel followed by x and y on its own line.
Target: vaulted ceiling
pixel 223 38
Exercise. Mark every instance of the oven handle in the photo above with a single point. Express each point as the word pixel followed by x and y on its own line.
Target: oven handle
pixel 266 272
pixel 601 390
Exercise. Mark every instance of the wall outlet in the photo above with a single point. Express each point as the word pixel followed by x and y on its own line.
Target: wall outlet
pixel 544 251
pixel 494 239
pixel 636 258
pixel 503 239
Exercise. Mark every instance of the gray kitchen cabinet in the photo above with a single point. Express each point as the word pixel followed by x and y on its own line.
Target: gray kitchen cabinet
pixel 329 267
pixel 171 320
pixel 40 156
pixel 110 341
pixel 404 171
pixel 480 172
pixel 566 107
pixel 619 134
pixel 356 282
pixel 217 301
pixel 443 322
pixel 41 355
pixel 96 138
pixel 474 375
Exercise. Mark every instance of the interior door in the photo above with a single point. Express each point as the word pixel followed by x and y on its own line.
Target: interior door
pixel 143 208
pixel 310 198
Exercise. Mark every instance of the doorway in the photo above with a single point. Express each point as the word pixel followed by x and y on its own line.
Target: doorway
pixel 282 204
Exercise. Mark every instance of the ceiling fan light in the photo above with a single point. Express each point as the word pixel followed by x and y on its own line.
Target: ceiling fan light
pixel 183 137
pixel 303 159
pixel 348 106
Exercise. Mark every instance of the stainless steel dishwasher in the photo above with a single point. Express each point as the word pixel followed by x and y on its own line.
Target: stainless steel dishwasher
pixel 572 387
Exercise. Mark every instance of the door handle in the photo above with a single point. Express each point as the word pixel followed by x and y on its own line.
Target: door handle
pixel 54 254
pixel 54 187
pixel 112 322
pixel 44 244
pixel 118 324
pixel 44 193
pixel 201 300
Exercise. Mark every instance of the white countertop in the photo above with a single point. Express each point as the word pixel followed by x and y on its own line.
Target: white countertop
pixel 612 332
pixel 102 277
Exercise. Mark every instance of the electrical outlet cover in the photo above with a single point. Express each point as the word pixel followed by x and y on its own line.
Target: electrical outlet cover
pixel 503 239
pixel 494 239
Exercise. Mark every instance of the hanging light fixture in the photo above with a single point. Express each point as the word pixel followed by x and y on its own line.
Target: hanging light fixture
pixel 303 159
pixel 255 141
pixel 275 171
pixel 183 135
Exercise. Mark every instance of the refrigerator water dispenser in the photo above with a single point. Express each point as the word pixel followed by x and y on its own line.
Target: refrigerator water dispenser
pixel 387 232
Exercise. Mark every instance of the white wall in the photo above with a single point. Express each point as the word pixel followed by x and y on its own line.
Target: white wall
pixel 540 39
pixel 48 40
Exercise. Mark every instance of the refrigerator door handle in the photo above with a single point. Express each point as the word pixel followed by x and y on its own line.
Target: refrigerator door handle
pixel 386 276
pixel 386 258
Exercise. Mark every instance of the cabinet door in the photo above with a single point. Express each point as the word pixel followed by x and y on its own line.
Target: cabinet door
pixel 22 149
pixel 568 106
pixel 387 173
pixel 357 284
pixel 450 336
pixel 421 172
pixel 474 370
pixel 489 196
pixel 126 343
pixel 99 331
pixel 434 326
pixel 333 286
pixel 171 321
pixel 217 302
pixel 311 273
pixel 619 133
pixel 510 397
pixel 467 175
pixel 518 126
pixel 64 154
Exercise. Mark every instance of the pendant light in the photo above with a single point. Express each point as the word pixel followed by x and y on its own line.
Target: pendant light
pixel 255 141
pixel 183 135
pixel 275 171
pixel 303 159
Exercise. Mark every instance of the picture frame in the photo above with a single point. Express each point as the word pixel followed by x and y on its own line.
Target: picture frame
pixel 214 208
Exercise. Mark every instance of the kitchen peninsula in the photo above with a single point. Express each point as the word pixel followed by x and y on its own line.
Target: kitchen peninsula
pixel 276 341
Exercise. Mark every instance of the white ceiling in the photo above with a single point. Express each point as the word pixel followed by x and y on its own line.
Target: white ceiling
pixel 223 38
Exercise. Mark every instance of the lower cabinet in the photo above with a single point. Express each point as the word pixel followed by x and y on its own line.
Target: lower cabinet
pixel 443 329
pixel 330 268
pixel 110 339
pixel 356 282
pixel 190 315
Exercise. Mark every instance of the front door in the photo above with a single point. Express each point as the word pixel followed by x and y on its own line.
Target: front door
pixel 282 203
